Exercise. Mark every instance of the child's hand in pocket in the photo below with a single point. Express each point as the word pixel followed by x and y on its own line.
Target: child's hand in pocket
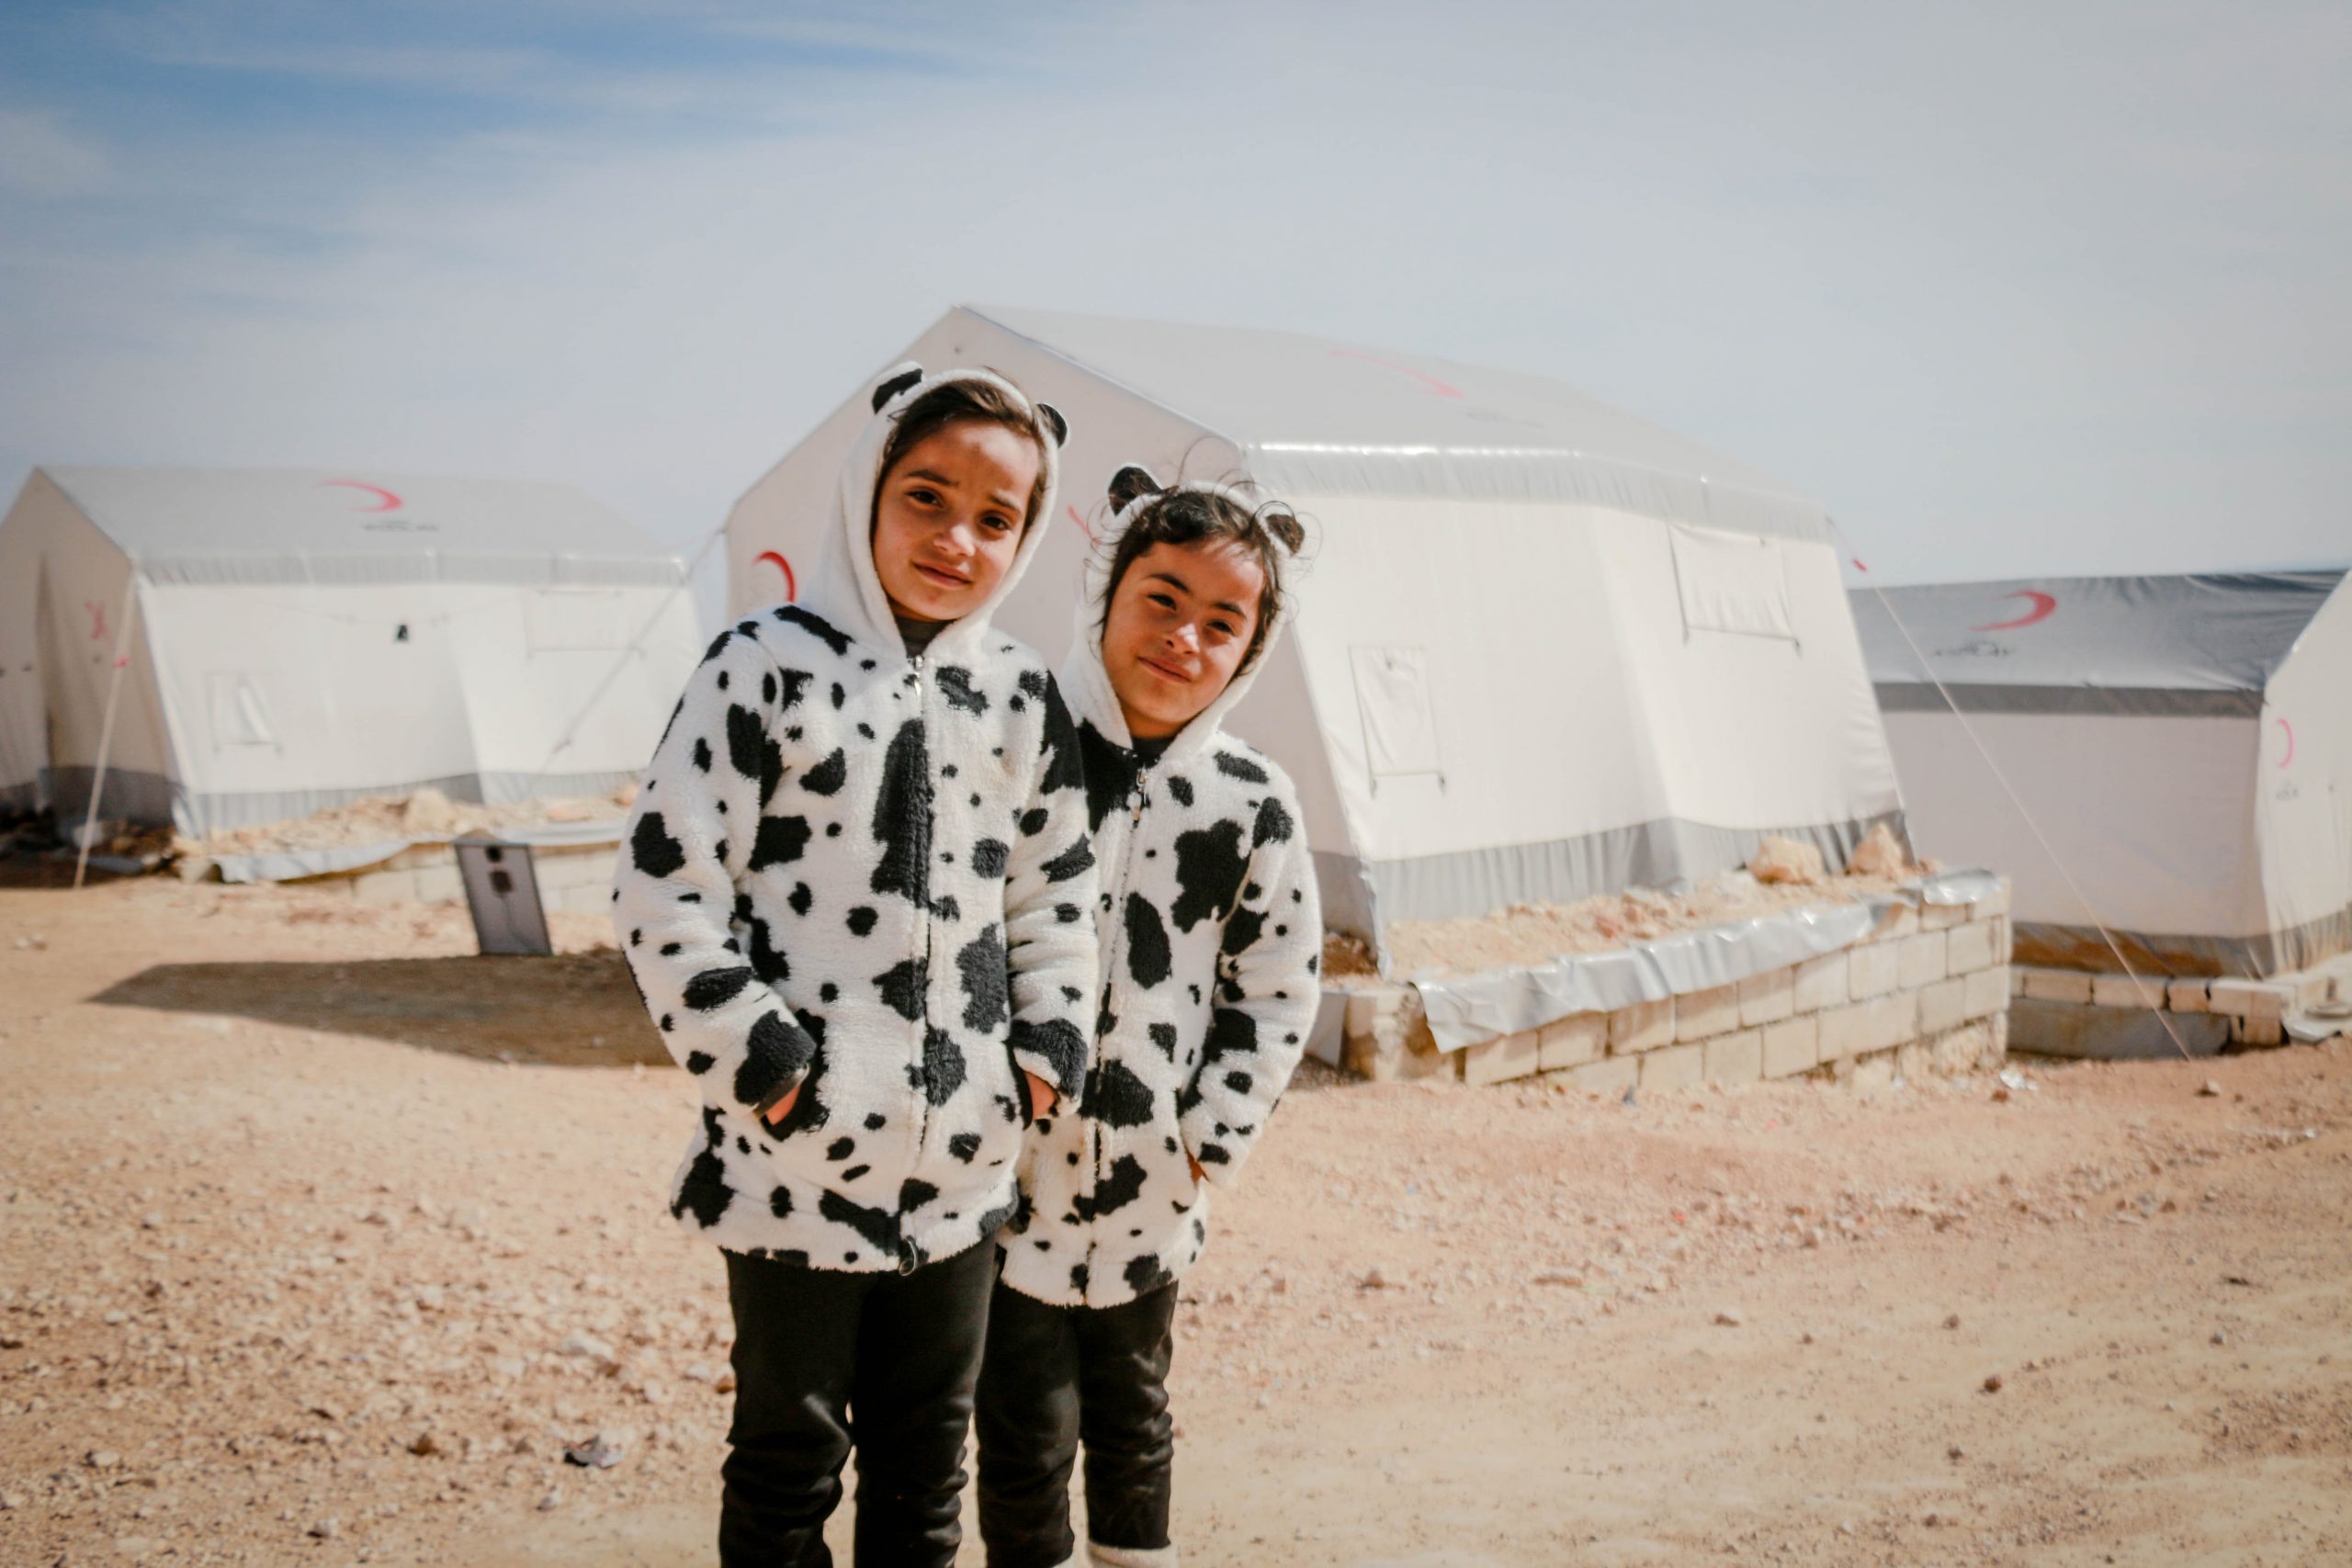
pixel 783 1108
pixel 1043 1097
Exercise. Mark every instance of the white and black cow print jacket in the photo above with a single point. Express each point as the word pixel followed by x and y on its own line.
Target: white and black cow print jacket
pixel 868 876
pixel 1212 936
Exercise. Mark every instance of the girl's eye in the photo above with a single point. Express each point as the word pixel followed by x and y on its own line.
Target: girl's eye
pixel 1000 522
pixel 1223 628
pixel 1162 600
pixel 922 497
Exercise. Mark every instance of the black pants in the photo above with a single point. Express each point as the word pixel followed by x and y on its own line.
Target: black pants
pixel 824 1359
pixel 1055 1376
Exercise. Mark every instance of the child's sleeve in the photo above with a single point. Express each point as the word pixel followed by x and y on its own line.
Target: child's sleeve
pixel 1049 897
pixel 1267 992
pixel 692 828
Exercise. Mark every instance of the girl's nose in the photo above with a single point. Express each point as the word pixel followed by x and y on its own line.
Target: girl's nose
pixel 1186 637
pixel 958 539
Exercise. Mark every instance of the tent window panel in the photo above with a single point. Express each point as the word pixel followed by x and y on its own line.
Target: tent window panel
pixel 1732 582
pixel 240 716
pixel 570 620
pixel 1400 720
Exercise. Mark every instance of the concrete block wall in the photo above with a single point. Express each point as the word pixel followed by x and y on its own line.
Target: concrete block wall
pixel 574 877
pixel 1926 992
pixel 2256 1009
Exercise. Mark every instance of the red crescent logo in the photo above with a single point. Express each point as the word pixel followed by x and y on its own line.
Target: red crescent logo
pixel 2044 604
pixel 1436 386
pixel 2290 742
pixel 1082 523
pixel 384 500
pixel 791 583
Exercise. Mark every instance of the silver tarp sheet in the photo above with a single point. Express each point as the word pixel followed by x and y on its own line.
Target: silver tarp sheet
pixel 1468 1009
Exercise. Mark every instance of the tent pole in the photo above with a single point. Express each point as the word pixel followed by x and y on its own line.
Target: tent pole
pixel 105 728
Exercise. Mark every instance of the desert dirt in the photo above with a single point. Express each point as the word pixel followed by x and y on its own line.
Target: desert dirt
pixel 320 1239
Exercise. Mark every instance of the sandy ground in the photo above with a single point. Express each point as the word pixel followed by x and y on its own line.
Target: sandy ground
pixel 319 1240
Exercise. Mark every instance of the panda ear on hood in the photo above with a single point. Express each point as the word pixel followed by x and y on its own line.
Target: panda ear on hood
pixel 1055 423
pixel 900 378
pixel 1285 526
pixel 1130 482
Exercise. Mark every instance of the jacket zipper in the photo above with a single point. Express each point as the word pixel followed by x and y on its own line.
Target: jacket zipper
pixel 923 913
pixel 1112 950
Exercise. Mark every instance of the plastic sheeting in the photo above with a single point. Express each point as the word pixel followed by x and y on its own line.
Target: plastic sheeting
pixel 1470 1008
pixel 290 865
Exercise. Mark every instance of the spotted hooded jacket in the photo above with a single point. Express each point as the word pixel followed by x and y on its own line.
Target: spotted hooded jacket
pixel 867 875
pixel 1211 936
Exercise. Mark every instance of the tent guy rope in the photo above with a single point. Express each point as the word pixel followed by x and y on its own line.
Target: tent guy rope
pixel 2009 790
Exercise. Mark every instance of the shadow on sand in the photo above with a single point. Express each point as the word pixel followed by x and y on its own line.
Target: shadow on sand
pixel 573 1011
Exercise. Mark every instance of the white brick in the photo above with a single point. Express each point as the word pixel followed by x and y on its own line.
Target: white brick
pixel 2246 998
pixel 1672 1066
pixel 2257 1030
pixel 385 888
pixel 1368 1009
pixel 1987 994
pixel 1791 1047
pixel 2004 944
pixel 1572 1041
pixel 1879 1024
pixel 2057 986
pixel 1874 971
pixel 1993 904
pixel 2186 995
pixel 1644 1026
pixel 1821 983
pixel 1735 1058
pixel 2123 991
pixel 439 885
pixel 1942 917
pixel 1972 946
pixel 1610 1075
pixel 1943 1006
pixel 1768 998
pixel 1701 1015
pixel 1494 1061
pixel 1919 961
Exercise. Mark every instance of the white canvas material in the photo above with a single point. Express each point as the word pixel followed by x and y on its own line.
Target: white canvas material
pixel 1211 936
pixel 864 875
pixel 296 640
pixel 2184 742
pixel 1496 690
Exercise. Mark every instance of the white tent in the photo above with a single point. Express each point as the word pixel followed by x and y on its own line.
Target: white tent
pixel 2185 744
pixel 292 640
pixel 1545 650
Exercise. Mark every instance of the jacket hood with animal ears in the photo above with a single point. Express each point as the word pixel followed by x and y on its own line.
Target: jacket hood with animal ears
pixel 845 589
pixel 1085 680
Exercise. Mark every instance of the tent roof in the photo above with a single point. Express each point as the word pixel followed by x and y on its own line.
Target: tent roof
pixel 350 526
pixel 2159 645
pixel 1317 416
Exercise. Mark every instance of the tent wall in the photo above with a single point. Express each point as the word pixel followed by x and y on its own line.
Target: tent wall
pixel 24 727
pixel 287 699
pixel 1516 708
pixel 2303 792
pixel 2152 818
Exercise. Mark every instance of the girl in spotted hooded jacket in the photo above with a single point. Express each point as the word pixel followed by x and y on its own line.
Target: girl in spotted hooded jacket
pixel 855 896
pixel 1211 938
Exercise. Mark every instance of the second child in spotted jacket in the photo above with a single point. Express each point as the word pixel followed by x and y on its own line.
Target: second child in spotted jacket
pixel 1211 936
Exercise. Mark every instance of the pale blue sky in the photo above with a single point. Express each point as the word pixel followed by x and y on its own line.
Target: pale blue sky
pixel 2015 289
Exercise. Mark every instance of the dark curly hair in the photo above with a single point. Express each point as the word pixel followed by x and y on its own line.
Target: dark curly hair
pixel 1269 531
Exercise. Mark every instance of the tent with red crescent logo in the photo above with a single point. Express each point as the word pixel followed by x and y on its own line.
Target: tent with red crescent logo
pixel 2183 743
pixel 1545 650
pixel 272 642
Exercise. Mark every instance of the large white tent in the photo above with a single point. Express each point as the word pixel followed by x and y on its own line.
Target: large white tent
pixel 1545 650
pixel 2183 743
pixel 292 640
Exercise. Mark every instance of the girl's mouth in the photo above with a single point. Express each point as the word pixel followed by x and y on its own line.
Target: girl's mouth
pixel 1174 677
pixel 942 576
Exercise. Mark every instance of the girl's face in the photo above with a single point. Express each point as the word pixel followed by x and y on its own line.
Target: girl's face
pixel 948 516
pixel 1180 622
